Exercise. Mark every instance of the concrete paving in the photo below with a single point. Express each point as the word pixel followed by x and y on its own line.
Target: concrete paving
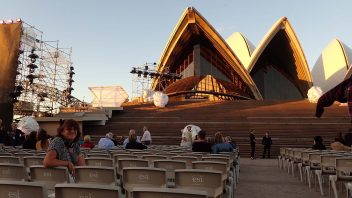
pixel 262 178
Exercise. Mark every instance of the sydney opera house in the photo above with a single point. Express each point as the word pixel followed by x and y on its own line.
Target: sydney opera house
pixel 217 69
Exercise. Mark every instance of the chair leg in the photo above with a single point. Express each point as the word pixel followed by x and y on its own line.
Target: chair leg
pixel 308 176
pixel 332 181
pixel 300 171
pixel 320 181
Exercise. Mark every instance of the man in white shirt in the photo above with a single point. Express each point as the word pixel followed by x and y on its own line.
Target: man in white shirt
pixel 146 138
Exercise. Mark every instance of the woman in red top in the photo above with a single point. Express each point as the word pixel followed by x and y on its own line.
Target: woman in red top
pixel 87 143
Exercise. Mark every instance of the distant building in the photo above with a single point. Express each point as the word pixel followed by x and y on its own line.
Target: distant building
pixel 333 65
pixel 215 69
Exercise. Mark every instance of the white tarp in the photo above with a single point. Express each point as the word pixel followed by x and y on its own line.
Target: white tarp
pixel 108 96
pixel 314 93
pixel 194 129
pixel 27 125
pixel 160 99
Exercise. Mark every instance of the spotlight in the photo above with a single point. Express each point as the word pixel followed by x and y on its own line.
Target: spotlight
pixel 19 20
pixel 72 68
pixel 133 71
pixel 2 22
pixel 32 55
pixel 145 74
pixel 10 21
pixel 32 66
pixel 146 67
pixel 139 72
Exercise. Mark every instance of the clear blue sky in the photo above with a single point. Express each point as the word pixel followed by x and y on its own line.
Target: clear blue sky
pixel 109 37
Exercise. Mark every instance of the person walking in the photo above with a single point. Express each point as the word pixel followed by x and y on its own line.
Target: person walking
pixel 252 141
pixel 267 142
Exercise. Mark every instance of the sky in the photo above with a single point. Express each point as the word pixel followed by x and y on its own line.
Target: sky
pixel 109 37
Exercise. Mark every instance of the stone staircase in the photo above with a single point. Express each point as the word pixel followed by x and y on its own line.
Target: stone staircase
pixel 290 123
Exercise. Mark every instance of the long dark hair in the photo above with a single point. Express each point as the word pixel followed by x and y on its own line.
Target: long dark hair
pixel 42 136
pixel 69 124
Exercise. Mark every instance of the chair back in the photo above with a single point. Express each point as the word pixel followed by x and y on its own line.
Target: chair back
pixel 22 189
pixel 9 160
pixel 98 155
pixel 95 175
pixel 143 192
pixel 143 177
pixel 195 179
pixel 344 168
pixel 85 190
pixel 152 158
pixel 99 161
pixel 32 160
pixel 50 176
pixel 13 172
pixel 211 165
pixel 116 157
pixel 124 163
pixel 187 159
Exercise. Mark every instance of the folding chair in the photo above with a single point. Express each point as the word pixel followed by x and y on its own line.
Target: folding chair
pixel 143 177
pixel 204 180
pixel 124 163
pixel 13 172
pixel 95 175
pixel 327 167
pixel 343 174
pixel 99 161
pixel 152 158
pixel 49 176
pixel 85 190
pixel 22 189
pixel 218 166
pixel 142 192
pixel 187 159
pixel 9 160
pixel 98 155
pixel 170 166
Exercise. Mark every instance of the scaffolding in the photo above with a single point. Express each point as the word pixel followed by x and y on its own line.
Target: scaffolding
pixel 44 75
pixel 143 76
pixel 142 79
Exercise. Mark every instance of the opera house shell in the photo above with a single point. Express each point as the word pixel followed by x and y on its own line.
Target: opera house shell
pixel 333 65
pixel 211 68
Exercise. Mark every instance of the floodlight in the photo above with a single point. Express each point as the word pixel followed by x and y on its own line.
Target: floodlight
pixel 10 21
pixel 19 20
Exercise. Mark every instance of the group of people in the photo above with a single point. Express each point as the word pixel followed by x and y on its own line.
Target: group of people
pixel 109 141
pixel 220 144
pixel 266 142
pixel 35 140
pixel 341 143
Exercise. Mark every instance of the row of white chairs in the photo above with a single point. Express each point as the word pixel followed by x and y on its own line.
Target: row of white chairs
pixel 315 165
pixel 20 189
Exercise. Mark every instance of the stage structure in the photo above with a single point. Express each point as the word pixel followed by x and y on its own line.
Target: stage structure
pixel 44 75
pixel 143 76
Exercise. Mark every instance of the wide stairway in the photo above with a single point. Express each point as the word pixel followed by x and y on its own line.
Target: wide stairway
pixel 290 123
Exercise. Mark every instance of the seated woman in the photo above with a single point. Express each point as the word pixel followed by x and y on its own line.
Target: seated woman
pixel 220 145
pixel 87 143
pixel 318 143
pixel 42 140
pixel 132 141
pixel 64 149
